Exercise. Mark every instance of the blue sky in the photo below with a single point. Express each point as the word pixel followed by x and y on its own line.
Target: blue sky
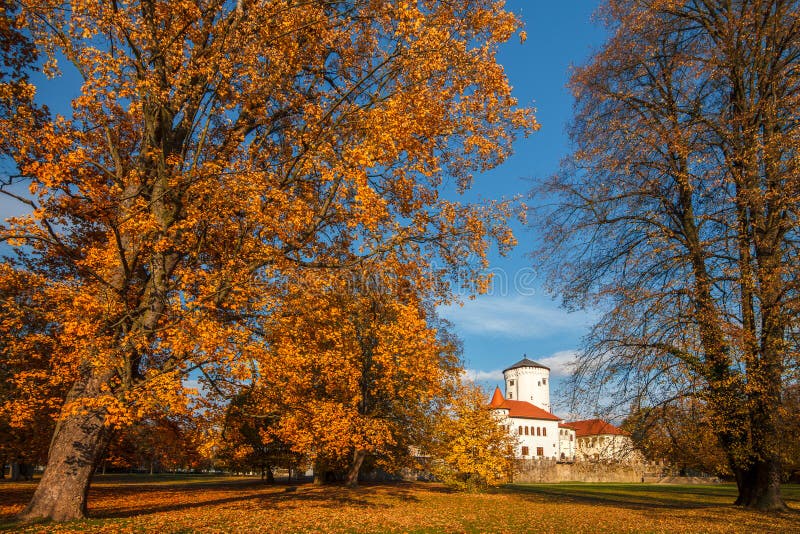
pixel 518 317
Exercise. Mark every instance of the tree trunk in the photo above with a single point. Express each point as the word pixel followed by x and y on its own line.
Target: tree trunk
pixel 15 472
pixel 77 446
pixel 355 467
pixel 320 472
pixel 270 474
pixel 760 487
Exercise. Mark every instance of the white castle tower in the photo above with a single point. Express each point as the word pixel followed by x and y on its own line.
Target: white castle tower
pixel 528 381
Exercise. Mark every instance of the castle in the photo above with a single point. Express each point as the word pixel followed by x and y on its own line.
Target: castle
pixel 525 412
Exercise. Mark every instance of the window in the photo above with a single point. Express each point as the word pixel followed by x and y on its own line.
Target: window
pixel 538 431
pixel 510 382
pixel 539 383
pixel 525 451
pixel 539 451
pixel 570 437
pixel 544 430
pixel 544 381
pixel 526 430
pixel 510 395
pixel 520 430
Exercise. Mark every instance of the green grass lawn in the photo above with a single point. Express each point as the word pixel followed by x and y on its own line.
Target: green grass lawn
pixel 662 495
pixel 186 503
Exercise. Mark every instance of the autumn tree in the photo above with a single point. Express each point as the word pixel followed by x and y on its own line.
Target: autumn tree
pixel 29 398
pixel 470 449
pixel 677 216
pixel 18 58
pixel 155 444
pixel 217 147
pixel 790 434
pixel 26 399
pixel 248 437
pixel 355 365
pixel 680 433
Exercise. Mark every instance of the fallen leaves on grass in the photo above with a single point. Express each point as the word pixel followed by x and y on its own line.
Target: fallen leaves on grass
pixel 242 505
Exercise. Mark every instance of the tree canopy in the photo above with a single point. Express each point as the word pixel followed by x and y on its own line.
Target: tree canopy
pixel 216 150
pixel 677 215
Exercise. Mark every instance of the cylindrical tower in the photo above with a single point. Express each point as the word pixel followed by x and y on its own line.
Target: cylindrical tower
pixel 528 381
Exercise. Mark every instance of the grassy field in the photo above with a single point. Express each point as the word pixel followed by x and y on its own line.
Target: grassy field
pixel 218 504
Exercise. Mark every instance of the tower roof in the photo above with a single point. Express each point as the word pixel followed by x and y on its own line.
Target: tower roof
pixel 525 362
pixel 520 409
pixel 497 398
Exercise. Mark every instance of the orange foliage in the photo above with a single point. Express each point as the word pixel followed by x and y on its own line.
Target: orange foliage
pixel 471 449
pixel 353 363
pixel 217 148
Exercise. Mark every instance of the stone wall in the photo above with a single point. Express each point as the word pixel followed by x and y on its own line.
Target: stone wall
pixel 536 471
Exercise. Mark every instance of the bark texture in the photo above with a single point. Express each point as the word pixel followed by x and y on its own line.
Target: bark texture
pixel 77 446
pixel 760 487
pixel 355 468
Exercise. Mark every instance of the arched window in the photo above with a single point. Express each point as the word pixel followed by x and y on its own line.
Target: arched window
pixel 526 430
pixel 538 431
pixel 520 430
pixel 544 430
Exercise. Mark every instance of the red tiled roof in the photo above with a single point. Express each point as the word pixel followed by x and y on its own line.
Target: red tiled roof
pixel 594 427
pixel 566 425
pixel 522 409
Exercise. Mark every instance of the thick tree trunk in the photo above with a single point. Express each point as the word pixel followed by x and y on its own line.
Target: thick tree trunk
pixel 270 475
pixel 77 446
pixel 320 472
pixel 15 472
pixel 355 468
pixel 760 487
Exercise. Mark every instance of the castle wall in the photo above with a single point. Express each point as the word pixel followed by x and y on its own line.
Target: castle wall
pixel 538 471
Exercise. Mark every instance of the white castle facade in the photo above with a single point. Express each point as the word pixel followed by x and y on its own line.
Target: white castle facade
pixel 525 412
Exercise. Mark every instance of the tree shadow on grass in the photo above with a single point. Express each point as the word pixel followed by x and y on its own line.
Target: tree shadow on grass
pixel 645 497
pixel 624 498
pixel 246 496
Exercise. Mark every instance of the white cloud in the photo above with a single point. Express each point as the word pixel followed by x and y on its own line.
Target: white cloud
pixel 476 375
pixel 560 363
pixel 518 317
